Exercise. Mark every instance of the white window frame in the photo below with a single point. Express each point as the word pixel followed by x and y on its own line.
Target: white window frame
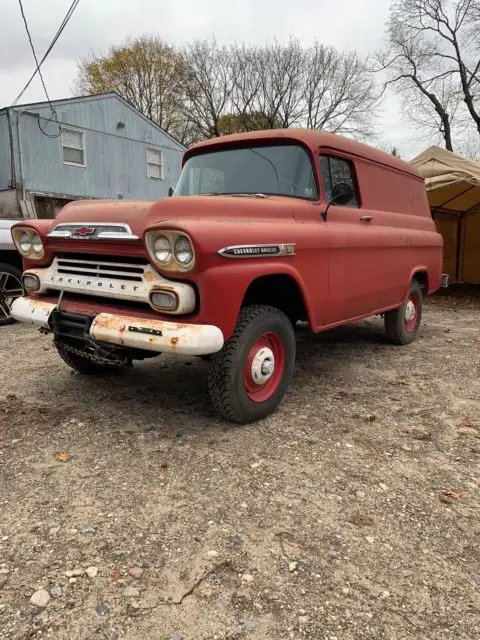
pixel 161 165
pixel 82 148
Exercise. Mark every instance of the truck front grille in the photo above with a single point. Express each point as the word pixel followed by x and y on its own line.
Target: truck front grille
pixel 100 269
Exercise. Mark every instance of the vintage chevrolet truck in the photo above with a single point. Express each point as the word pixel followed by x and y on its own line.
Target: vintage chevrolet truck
pixel 264 229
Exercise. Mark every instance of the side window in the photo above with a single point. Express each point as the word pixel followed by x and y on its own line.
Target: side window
pixel 335 170
pixel 155 164
pixel 73 147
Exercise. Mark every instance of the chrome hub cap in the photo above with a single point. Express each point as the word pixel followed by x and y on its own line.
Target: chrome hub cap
pixel 263 365
pixel 410 311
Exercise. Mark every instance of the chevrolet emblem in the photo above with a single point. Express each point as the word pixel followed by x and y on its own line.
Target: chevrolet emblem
pixel 83 231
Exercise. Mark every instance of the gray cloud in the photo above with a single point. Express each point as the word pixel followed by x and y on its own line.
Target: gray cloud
pixel 96 24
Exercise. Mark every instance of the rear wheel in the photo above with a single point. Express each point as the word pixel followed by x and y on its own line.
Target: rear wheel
pixel 86 363
pixel 401 325
pixel 10 288
pixel 250 375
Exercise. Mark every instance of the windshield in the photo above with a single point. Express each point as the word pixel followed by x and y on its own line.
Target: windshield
pixel 271 170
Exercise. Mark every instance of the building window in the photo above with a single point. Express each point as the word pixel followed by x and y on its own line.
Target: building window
pixel 73 147
pixel 154 164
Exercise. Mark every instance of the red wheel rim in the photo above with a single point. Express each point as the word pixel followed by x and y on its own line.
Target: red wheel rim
pixel 264 367
pixel 411 312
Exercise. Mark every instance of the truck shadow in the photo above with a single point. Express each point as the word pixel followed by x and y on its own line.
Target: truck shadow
pixel 161 389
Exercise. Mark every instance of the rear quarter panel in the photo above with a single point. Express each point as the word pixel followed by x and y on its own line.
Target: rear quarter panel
pixel 403 223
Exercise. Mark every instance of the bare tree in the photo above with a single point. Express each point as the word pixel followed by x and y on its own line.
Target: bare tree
pixel 204 89
pixel 242 88
pixel 206 86
pixel 433 59
pixel 280 70
pixel 339 92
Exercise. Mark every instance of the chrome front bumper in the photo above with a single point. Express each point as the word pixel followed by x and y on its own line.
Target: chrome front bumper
pixel 128 331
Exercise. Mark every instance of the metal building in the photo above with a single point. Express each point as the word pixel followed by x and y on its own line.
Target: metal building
pixel 102 147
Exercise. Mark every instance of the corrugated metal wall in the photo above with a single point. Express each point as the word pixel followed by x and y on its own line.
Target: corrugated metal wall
pixel 115 158
pixel 5 157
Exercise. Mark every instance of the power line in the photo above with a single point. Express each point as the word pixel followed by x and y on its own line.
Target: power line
pixel 34 54
pixel 62 26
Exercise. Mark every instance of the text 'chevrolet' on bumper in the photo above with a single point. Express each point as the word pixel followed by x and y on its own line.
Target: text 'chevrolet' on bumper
pixel 131 332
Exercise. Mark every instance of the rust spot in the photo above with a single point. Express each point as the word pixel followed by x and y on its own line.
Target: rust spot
pixel 38 305
pixel 174 340
pixel 149 276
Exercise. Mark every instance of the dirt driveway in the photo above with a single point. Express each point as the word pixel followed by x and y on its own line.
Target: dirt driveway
pixel 351 513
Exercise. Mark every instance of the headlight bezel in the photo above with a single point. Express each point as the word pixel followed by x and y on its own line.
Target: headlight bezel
pixel 33 238
pixel 173 264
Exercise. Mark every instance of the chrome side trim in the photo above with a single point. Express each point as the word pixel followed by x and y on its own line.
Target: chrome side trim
pixel 66 230
pixel 257 251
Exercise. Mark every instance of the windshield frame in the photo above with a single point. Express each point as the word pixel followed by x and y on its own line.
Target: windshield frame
pixel 268 142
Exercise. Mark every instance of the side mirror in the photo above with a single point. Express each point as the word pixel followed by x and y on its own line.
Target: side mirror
pixel 170 192
pixel 342 193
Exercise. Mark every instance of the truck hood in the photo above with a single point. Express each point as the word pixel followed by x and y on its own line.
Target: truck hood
pixel 141 215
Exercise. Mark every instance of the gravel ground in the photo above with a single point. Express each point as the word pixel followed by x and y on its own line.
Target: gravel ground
pixel 351 513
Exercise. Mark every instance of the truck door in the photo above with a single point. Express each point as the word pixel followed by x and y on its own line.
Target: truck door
pixel 352 279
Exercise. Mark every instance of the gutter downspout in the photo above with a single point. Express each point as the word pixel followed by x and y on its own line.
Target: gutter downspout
pixel 19 142
pixel 20 162
pixel 13 183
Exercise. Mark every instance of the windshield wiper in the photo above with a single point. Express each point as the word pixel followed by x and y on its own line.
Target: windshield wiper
pixel 247 195
pixel 238 195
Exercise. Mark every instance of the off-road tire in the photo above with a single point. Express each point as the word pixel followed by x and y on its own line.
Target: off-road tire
pixel 396 325
pixel 5 268
pixel 82 364
pixel 228 392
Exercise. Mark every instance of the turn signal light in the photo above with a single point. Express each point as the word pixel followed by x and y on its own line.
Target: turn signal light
pixel 31 282
pixel 164 300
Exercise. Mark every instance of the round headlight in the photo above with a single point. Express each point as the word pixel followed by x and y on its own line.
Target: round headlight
pixel 37 244
pixel 25 242
pixel 162 249
pixel 183 250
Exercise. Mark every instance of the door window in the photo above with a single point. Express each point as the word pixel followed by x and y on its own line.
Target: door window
pixel 335 170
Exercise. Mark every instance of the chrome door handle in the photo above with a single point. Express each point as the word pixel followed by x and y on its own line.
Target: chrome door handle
pixel 367 218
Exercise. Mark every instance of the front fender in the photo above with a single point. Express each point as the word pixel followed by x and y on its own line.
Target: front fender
pixel 223 281
pixel 223 288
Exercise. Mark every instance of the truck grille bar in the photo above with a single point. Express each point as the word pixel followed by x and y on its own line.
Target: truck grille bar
pixel 94 268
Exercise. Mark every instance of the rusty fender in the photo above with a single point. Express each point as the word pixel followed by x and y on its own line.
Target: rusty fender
pixel 157 335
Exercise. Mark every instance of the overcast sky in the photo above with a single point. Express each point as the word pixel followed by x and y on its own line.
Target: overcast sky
pixel 96 24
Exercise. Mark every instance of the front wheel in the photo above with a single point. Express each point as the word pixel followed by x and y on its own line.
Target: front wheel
pixel 250 375
pixel 401 325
